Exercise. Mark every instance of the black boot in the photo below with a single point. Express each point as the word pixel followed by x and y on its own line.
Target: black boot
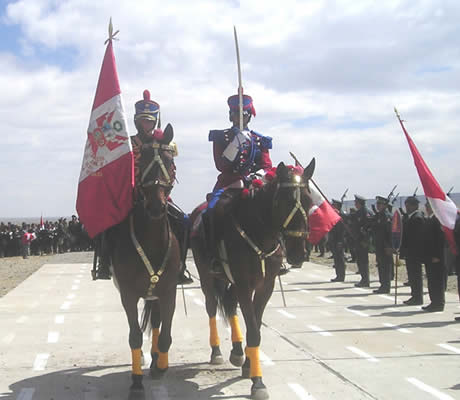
pixel 103 269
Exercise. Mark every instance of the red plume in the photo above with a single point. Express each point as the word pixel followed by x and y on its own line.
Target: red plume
pixel 244 193
pixel 146 95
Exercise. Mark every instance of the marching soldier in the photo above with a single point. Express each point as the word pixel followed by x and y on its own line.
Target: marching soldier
pixel 383 247
pixel 412 249
pixel 434 261
pixel 147 122
pixel 237 153
pixel 336 243
pixel 359 226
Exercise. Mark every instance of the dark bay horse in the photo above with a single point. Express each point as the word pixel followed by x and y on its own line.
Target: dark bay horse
pixel 146 257
pixel 252 260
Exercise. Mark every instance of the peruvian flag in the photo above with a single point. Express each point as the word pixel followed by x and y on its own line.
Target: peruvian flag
pixel 42 225
pixel 443 207
pixel 321 217
pixel 105 187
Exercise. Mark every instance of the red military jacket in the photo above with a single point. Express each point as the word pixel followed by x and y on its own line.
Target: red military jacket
pixel 236 158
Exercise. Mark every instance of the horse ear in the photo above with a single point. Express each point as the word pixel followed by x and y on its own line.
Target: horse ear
pixel 282 171
pixel 168 134
pixel 308 171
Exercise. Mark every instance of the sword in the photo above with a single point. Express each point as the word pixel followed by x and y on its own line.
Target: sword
pixel 240 84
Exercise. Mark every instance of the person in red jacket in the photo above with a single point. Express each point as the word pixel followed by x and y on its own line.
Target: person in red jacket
pixel 237 154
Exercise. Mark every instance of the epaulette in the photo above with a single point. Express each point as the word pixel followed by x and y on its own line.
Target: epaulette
pixel 265 141
pixel 218 135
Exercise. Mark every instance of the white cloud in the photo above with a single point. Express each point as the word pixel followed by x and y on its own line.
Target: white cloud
pixel 324 76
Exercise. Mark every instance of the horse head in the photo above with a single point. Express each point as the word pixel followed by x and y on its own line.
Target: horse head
pixel 157 173
pixel 292 202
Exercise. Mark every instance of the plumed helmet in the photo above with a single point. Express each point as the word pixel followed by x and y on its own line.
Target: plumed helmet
pixel 147 108
pixel 234 104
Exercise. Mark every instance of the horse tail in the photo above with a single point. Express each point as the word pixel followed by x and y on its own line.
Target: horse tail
pixel 146 317
pixel 225 296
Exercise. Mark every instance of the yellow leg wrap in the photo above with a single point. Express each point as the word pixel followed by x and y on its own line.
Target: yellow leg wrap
pixel 136 355
pixel 253 354
pixel 155 334
pixel 162 362
pixel 237 336
pixel 213 334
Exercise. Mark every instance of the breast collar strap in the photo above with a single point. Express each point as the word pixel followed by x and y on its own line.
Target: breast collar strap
pixel 262 255
pixel 154 276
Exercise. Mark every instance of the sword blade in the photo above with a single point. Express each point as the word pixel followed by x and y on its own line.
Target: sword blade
pixel 240 84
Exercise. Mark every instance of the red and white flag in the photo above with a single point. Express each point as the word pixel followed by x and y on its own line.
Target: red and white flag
pixel 443 207
pixel 105 188
pixel 42 225
pixel 321 217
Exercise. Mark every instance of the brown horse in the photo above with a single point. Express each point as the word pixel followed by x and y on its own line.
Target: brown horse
pixel 252 260
pixel 145 257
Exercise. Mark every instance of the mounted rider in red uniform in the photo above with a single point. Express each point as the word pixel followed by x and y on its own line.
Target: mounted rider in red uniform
pixel 237 154
pixel 148 125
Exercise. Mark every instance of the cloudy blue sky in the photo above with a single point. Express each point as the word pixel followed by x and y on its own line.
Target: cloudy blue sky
pixel 324 76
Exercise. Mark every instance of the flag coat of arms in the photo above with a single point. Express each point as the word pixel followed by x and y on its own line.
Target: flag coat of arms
pixel 105 188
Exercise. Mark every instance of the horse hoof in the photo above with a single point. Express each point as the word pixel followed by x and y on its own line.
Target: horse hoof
pixel 236 359
pixel 154 360
pixel 157 373
pixel 137 385
pixel 245 373
pixel 259 390
pixel 216 356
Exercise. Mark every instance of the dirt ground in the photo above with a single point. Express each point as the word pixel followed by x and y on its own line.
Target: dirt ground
pixel 13 270
pixel 402 273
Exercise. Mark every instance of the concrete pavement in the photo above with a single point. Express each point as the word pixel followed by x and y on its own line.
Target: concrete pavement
pixel 63 336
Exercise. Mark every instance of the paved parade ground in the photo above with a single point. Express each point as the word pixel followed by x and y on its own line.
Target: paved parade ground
pixel 64 336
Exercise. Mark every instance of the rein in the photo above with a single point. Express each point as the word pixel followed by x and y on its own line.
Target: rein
pixel 262 255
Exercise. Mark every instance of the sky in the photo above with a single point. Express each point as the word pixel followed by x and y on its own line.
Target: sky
pixel 324 75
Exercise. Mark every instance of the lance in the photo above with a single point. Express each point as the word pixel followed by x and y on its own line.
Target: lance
pixel 240 84
pixel 297 162
pixel 344 195
pixel 415 191
pixel 450 191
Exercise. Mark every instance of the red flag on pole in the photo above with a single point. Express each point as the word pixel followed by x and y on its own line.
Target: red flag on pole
pixel 443 207
pixel 321 217
pixel 42 225
pixel 106 181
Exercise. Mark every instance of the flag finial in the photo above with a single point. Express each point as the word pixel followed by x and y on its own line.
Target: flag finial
pixel 111 34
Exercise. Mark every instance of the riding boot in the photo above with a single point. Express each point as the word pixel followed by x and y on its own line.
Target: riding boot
pixel 181 228
pixel 216 267
pixel 103 269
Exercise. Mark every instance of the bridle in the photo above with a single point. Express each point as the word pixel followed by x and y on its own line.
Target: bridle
pixel 167 181
pixel 297 184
